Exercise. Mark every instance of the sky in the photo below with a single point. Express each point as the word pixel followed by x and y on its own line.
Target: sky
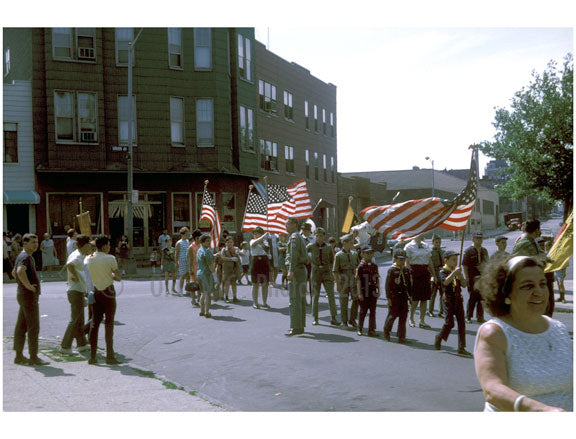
pixel 404 94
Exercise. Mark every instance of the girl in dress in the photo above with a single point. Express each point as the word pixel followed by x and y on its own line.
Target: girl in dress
pixel 181 257
pixel 230 257
pixel 169 264
pixel 49 258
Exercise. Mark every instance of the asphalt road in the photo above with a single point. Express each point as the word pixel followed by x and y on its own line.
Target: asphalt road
pixel 242 359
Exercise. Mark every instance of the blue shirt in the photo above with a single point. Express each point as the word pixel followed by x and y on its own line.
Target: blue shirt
pixel 205 260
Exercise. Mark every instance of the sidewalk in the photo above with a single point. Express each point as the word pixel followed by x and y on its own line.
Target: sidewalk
pixel 68 383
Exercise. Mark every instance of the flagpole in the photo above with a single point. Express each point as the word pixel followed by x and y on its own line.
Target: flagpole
pixel 250 187
pixel 266 187
pixel 473 147
pixel 205 190
pixel 317 204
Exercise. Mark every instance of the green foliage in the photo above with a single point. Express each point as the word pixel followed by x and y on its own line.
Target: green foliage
pixel 535 137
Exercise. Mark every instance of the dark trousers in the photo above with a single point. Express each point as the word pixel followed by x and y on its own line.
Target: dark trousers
pixel 28 322
pixel 475 301
pixel 550 285
pixel 104 305
pixel 397 308
pixel 75 329
pixel 454 308
pixel 368 304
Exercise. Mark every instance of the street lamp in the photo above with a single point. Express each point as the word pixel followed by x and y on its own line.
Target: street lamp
pixel 432 161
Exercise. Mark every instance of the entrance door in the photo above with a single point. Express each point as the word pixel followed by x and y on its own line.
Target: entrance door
pixel 17 219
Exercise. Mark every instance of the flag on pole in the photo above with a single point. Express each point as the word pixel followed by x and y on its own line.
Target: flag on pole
pixel 84 223
pixel 210 214
pixel 298 204
pixel 255 216
pixel 562 249
pixel 414 217
pixel 350 220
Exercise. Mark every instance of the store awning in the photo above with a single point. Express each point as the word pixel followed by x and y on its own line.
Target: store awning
pixel 138 211
pixel 20 197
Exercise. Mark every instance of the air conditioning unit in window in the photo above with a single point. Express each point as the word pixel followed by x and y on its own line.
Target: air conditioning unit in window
pixel 88 136
pixel 86 53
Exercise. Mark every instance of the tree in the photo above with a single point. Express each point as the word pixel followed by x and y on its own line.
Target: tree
pixel 535 137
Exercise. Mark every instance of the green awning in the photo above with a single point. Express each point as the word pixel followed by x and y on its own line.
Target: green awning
pixel 20 197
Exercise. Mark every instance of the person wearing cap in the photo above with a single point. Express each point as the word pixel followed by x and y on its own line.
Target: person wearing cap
pixel 343 270
pixel 501 253
pixel 452 281
pixel 398 291
pixel 474 258
pixel 322 260
pixel 260 266
pixel 368 290
pixel 205 259
pixel 77 289
pixel 418 256
pixel 306 233
pixel 296 260
pixel 436 262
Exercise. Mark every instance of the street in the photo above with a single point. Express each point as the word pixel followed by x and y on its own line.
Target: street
pixel 241 358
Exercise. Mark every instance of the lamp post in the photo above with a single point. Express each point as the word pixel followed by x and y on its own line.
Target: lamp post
pixel 432 161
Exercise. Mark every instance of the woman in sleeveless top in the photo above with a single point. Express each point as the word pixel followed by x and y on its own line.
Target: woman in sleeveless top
pixel 523 358
pixel 230 257
pixel 181 257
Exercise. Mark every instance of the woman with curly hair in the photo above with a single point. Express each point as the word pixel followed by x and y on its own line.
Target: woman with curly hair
pixel 523 358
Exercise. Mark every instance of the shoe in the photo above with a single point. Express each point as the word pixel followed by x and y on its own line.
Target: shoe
pixel 462 351
pixel 227 300
pixel 468 321
pixel 430 314
pixel 35 361
pixel 373 334
pixel 360 333
pixel 21 359
pixel 437 343
pixel 315 323
pixel 201 314
pixel 386 336
pixel 404 341
pixel 235 300
pixel 345 324
pixel 480 321
pixel 290 333
pixel 112 361
pixel 86 347
pixel 265 306
pixel 298 331
pixel 92 361
pixel 424 326
pixel 334 322
pixel 67 351
pixel 441 315
pixel 208 315
pixel 353 323
pixel 255 306
pixel 412 324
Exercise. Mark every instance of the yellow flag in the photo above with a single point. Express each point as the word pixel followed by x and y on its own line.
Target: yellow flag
pixel 348 221
pixel 562 249
pixel 84 223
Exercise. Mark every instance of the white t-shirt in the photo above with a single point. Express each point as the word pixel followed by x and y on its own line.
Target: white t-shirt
pixel 162 241
pixel 100 266
pixel 245 256
pixel 70 246
pixel 77 261
pixel 416 255
pixel 257 249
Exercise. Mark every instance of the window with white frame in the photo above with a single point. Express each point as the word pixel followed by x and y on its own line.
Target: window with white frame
pixel 204 122
pixel 124 120
pixel 288 108
pixel 316 166
pixel 177 121
pixel 289 158
pixel 78 44
pixel 175 47
pixel 332 170
pixel 244 57
pixel 62 42
pixel 332 124
pixel 10 142
pixel 306 115
pixel 268 155
pixel 124 36
pixel 6 61
pixel 307 164
pixel 76 116
pixel 325 167
pixel 267 94
pixel 246 128
pixel 324 121
pixel 202 48
pixel 316 118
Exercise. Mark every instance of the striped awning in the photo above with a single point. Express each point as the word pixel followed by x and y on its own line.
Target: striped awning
pixel 117 211
pixel 20 197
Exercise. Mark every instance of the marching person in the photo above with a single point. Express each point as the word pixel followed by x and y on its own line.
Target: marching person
pixel 322 260
pixel 77 289
pixel 473 260
pixel 181 256
pixel 70 242
pixel 104 271
pixel 217 252
pixel 306 233
pixel 501 253
pixel 453 280
pixel 260 267
pixel 343 270
pixel 418 255
pixel 436 262
pixel 231 272
pixel 193 263
pixel 28 322
pixel 245 260
pixel 205 275
pixel 368 288
pixel 296 260
pixel 398 290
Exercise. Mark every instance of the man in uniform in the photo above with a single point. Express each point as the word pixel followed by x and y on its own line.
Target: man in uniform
pixel 501 253
pixel 398 291
pixel 322 259
pixel 306 233
pixel 436 262
pixel 345 263
pixel 296 260
pixel 473 259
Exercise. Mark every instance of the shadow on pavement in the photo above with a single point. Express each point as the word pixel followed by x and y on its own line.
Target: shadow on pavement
pixel 331 338
pixel 49 371
pixel 228 319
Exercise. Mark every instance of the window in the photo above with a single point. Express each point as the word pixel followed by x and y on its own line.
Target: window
pixel 307 164
pixel 74 43
pixel 288 109
pixel 244 58
pixel 63 208
pixel 332 170
pixel 10 142
pixel 246 128
pixel 124 36
pixel 268 155
pixel 62 42
pixel 289 157
pixel 315 118
pixel 202 48
pixel 306 115
pixel 324 121
pixel 6 61
pixel 175 47
pixel 123 120
pixel 203 225
pixel 177 121
pixel 316 170
pixel 229 211
pixel 204 122
pixel 487 207
pixel 181 208
pixel 267 94
pixel 75 114
pixel 325 167
pixel 332 124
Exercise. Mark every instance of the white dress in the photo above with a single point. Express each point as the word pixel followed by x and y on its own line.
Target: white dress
pixel 539 365
pixel 48 258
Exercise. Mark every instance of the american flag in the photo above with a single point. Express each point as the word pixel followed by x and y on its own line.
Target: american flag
pixel 299 204
pixel 414 217
pixel 256 216
pixel 210 214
